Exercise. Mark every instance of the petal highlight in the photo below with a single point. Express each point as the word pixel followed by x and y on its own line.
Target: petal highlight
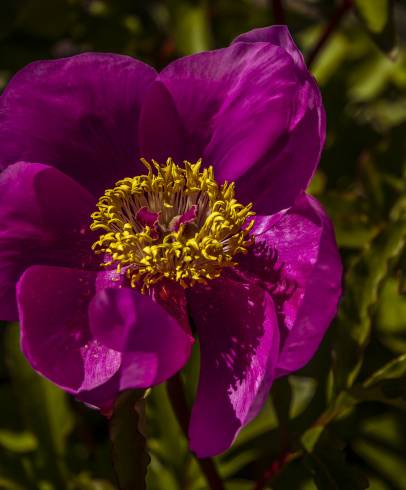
pixel 239 343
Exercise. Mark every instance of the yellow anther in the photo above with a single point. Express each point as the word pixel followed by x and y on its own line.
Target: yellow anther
pixel 197 250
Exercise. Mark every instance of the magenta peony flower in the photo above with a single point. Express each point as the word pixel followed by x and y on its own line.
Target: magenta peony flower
pixel 110 261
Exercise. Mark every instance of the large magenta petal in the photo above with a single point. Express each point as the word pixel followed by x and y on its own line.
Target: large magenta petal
pixel 79 114
pixel 296 260
pixel 55 336
pixel 251 110
pixel 153 343
pixel 44 219
pixel 307 131
pixel 239 342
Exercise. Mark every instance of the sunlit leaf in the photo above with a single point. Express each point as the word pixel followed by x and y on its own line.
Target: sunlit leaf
pixel 303 390
pixel 18 442
pixel 160 477
pixel 331 58
pixel 191 31
pixel 377 17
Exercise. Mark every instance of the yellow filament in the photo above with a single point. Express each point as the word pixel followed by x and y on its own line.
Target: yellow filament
pixel 193 253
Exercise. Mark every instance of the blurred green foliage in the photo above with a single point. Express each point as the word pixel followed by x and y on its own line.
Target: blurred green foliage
pixel 343 416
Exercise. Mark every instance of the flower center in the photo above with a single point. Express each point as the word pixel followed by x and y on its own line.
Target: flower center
pixel 171 223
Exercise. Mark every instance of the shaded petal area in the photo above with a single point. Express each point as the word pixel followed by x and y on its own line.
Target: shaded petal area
pixel 250 110
pixel 55 337
pixel 44 219
pixel 79 114
pixel 102 397
pixel 154 345
pixel 295 258
pixel 165 135
pixel 239 342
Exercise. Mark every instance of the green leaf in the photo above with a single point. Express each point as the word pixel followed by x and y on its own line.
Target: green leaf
pixel 130 457
pixel 391 317
pixel 16 472
pixel 168 444
pixel 232 465
pixel 328 465
pixel 160 477
pixel 303 390
pixel 377 18
pixel 386 385
pixel 394 369
pixel 17 442
pixel 350 219
pixel 85 482
pixel 165 435
pixel 44 409
pixel 380 443
pixel 7 484
pixel 191 27
pixel 362 286
pixel 402 279
pixel 331 58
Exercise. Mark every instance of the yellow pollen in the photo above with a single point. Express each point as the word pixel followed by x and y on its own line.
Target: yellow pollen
pixel 174 222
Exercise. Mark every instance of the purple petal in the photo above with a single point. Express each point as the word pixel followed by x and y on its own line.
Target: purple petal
pixel 239 343
pixel 102 397
pixel 154 344
pixel 79 114
pixel 146 217
pixel 55 336
pixel 44 219
pixel 250 110
pixel 276 35
pixel 188 217
pixel 162 132
pixel 296 260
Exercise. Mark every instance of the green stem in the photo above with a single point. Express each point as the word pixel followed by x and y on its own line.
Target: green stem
pixel 278 12
pixel 276 467
pixel 335 21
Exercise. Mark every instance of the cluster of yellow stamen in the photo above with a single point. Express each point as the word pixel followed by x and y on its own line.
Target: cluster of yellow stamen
pixel 189 250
